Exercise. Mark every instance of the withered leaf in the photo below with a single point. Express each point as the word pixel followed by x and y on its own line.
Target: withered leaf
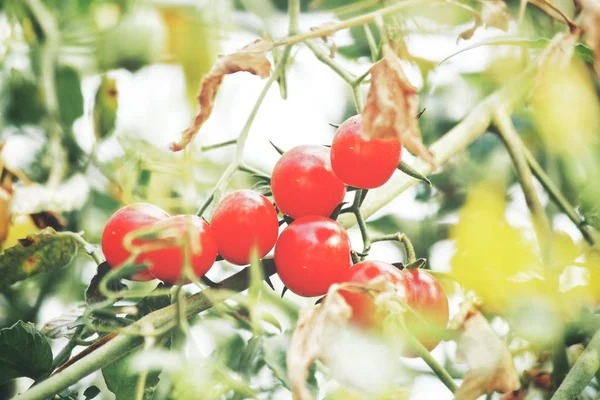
pixel 316 330
pixel 495 13
pixel 392 106
pixel 590 24
pixel 251 58
pixel 490 364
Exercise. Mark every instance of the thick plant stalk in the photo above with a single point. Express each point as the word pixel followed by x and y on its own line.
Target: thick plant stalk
pixel 582 372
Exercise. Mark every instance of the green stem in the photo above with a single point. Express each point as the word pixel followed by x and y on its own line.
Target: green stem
pixel 422 352
pixel 582 371
pixel 509 135
pixel 294 12
pixel 330 62
pixel 362 225
pixel 411 256
pixel 349 23
pixel 372 44
pixel 65 353
pixel 253 171
pixel 557 197
pixel 218 145
pixel 357 98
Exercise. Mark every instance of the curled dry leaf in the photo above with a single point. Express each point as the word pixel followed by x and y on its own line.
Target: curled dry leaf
pixel 392 106
pixel 490 363
pixel 315 331
pixel 494 13
pixel 251 58
pixel 590 24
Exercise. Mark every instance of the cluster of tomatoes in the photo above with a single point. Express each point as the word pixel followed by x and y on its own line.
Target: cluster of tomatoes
pixel 313 252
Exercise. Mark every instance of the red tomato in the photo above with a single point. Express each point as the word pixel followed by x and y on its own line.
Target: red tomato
pixel 364 309
pixel 312 253
pixel 362 162
pixel 125 220
pixel 242 221
pixel 166 264
pixel 430 303
pixel 303 182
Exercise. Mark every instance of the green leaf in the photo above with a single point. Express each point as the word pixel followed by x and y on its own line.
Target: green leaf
pixel 40 252
pixel 105 107
pixel 23 103
pixel 410 171
pixel 92 293
pixel 153 302
pixel 70 98
pixel 24 351
pixel 91 392
pixel 121 381
pixel 275 354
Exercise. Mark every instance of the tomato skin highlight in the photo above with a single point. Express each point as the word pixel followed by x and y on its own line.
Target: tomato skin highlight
pixel 303 182
pixel 312 253
pixel 167 263
pixel 362 162
pixel 244 220
pixel 125 220
pixel 430 303
pixel 364 309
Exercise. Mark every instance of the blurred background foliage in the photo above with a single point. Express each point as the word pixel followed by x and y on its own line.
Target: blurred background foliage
pixel 68 151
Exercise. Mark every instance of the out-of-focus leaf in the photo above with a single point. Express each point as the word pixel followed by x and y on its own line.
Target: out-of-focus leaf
pixel 24 351
pixel 494 13
pixel 44 251
pixel 251 58
pixel 490 363
pixel 70 98
pixel 392 106
pixel 191 43
pixel 122 381
pixel 23 102
pixel 6 197
pixel 50 219
pixel 153 302
pixel 105 107
pixel 70 195
pixel 136 41
pixel 275 353
pixel 92 293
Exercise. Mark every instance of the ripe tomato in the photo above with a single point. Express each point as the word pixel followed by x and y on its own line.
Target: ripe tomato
pixel 312 253
pixel 364 309
pixel 419 291
pixel 242 221
pixel 303 182
pixel 125 220
pixel 362 162
pixel 430 304
pixel 166 264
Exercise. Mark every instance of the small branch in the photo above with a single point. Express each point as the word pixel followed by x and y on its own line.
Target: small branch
pixel 582 371
pixel 411 256
pixel 362 225
pixel 349 23
pixel 511 139
pixel 331 63
pixel 372 44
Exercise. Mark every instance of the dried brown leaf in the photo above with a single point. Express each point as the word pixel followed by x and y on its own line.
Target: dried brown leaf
pixel 490 363
pixel 392 106
pixel 468 34
pixel 590 24
pixel 495 13
pixel 315 331
pixel 326 38
pixel 251 58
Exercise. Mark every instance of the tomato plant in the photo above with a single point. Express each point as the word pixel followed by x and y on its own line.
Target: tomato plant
pixel 311 254
pixel 362 162
pixel 304 183
pixel 244 220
